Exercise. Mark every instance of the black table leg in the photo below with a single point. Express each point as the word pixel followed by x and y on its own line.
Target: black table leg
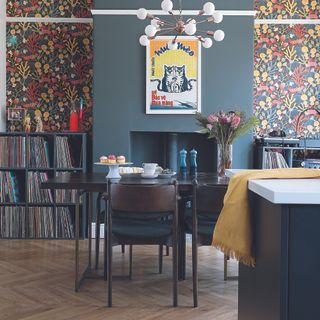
pixel 98 213
pixel 182 241
pixel 77 232
pixel 90 228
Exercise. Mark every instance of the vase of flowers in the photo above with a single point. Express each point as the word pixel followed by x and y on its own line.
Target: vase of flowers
pixel 225 127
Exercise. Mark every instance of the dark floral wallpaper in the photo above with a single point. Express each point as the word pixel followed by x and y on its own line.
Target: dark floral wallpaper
pixel 287 78
pixel 287 68
pixel 49 8
pixel 49 68
pixel 288 9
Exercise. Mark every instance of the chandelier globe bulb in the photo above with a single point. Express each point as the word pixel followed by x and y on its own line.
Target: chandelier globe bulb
pixel 144 41
pixel 142 14
pixel 219 35
pixel 217 16
pixel 167 5
pixel 208 8
pixel 150 31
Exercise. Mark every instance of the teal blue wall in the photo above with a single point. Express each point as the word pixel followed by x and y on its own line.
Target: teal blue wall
pixel 119 77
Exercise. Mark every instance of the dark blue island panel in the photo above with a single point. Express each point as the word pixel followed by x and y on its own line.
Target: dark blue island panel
pixel 284 285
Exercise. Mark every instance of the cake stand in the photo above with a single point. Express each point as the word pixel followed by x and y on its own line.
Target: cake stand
pixel 113 169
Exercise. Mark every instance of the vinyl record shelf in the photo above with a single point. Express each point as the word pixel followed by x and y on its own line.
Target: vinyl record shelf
pixel 27 159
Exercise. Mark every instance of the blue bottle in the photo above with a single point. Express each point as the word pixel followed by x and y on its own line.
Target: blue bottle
pixel 183 162
pixel 193 162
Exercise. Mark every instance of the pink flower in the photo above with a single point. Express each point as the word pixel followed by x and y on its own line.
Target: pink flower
pixel 212 118
pixel 224 119
pixel 209 126
pixel 235 121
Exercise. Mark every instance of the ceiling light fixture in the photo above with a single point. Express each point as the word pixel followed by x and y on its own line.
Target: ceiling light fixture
pixel 180 25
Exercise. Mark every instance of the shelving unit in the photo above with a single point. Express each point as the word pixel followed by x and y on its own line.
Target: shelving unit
pixel 294 151
pixel 45 226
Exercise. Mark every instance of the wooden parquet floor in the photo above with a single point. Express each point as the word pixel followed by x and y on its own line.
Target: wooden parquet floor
pixel 36 283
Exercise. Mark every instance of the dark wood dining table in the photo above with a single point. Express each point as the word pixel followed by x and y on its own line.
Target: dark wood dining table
pixel 89 183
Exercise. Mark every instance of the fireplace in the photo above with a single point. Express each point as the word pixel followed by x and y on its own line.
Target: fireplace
pixel 163 148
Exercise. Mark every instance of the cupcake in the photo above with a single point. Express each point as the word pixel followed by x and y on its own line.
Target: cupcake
pixel 112 158
pixel 121 159
pixel 104 159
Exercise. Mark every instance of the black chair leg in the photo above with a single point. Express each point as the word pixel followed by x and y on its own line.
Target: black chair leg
pixel 195 271
pixel 109 256
pixel 123 248
pixel 167 251
pixel 175 272
pixel 160 258
pixel 130 262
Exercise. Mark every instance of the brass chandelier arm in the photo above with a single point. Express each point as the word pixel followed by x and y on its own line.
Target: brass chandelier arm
pixel 209 33
pixel 210 19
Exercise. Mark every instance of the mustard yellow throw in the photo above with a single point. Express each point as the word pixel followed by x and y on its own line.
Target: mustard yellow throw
pixel 233 233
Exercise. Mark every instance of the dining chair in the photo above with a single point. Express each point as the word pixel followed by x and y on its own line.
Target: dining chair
pixel 206 206
pixel 147 202
pixel 100 218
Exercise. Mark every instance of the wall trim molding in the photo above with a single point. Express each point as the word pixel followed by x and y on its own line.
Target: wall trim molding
pixel 125 12
pixel 50 20
pixel 287 21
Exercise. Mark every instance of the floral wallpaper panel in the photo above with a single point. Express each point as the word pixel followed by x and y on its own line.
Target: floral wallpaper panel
pixel 49 68
pixel 287 78
pixel 49 8
pixel 287 9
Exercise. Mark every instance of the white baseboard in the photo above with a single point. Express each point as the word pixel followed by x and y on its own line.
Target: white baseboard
pixel 93 230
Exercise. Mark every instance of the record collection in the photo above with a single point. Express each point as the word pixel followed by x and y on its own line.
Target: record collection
pixel 38 153
pixel 64 223
pixel 12 152
pixel 12 222
pixel 36 194
pixel 41 222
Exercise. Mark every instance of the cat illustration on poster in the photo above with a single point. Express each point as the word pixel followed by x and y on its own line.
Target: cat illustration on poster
pixel 174 80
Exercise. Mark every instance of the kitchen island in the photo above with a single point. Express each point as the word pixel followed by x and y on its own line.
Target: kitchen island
pixel 285 283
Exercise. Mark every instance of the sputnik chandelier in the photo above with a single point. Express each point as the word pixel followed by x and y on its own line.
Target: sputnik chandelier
pixel 180 25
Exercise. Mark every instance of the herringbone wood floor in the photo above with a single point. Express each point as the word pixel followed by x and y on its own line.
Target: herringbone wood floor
pixel 36 282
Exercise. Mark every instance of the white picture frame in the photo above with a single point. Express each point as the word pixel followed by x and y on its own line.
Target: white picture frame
pixel 173 77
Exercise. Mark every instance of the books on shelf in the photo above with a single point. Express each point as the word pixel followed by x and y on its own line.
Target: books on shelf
pixel 65 196
pixel 9 187
pixel 12 151
pixel 41 222
pixel 38 153
pixel 36 194
pixel 65 227
pixel 63 154
pixel 275 160
pixel 12 222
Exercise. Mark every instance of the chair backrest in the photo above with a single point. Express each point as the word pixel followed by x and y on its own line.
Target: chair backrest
pixel 143 198
pixel 208 199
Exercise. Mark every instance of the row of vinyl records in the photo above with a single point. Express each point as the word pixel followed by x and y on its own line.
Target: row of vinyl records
pixel 41 222
pixel 10 189
pixel 12 152
pixel 14 149
pixel 38 195
pixel 274 160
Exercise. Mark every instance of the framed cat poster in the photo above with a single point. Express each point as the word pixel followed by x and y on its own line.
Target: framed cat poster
pixel 173 76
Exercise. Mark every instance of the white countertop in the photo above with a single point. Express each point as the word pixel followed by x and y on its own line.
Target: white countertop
pixel 285 191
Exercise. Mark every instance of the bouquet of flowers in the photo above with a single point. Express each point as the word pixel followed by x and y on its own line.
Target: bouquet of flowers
pixel 225 127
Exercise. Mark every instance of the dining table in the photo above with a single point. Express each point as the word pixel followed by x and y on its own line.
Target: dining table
pixel 90 183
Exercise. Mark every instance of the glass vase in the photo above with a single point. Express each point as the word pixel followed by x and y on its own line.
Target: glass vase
pixel 224 160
